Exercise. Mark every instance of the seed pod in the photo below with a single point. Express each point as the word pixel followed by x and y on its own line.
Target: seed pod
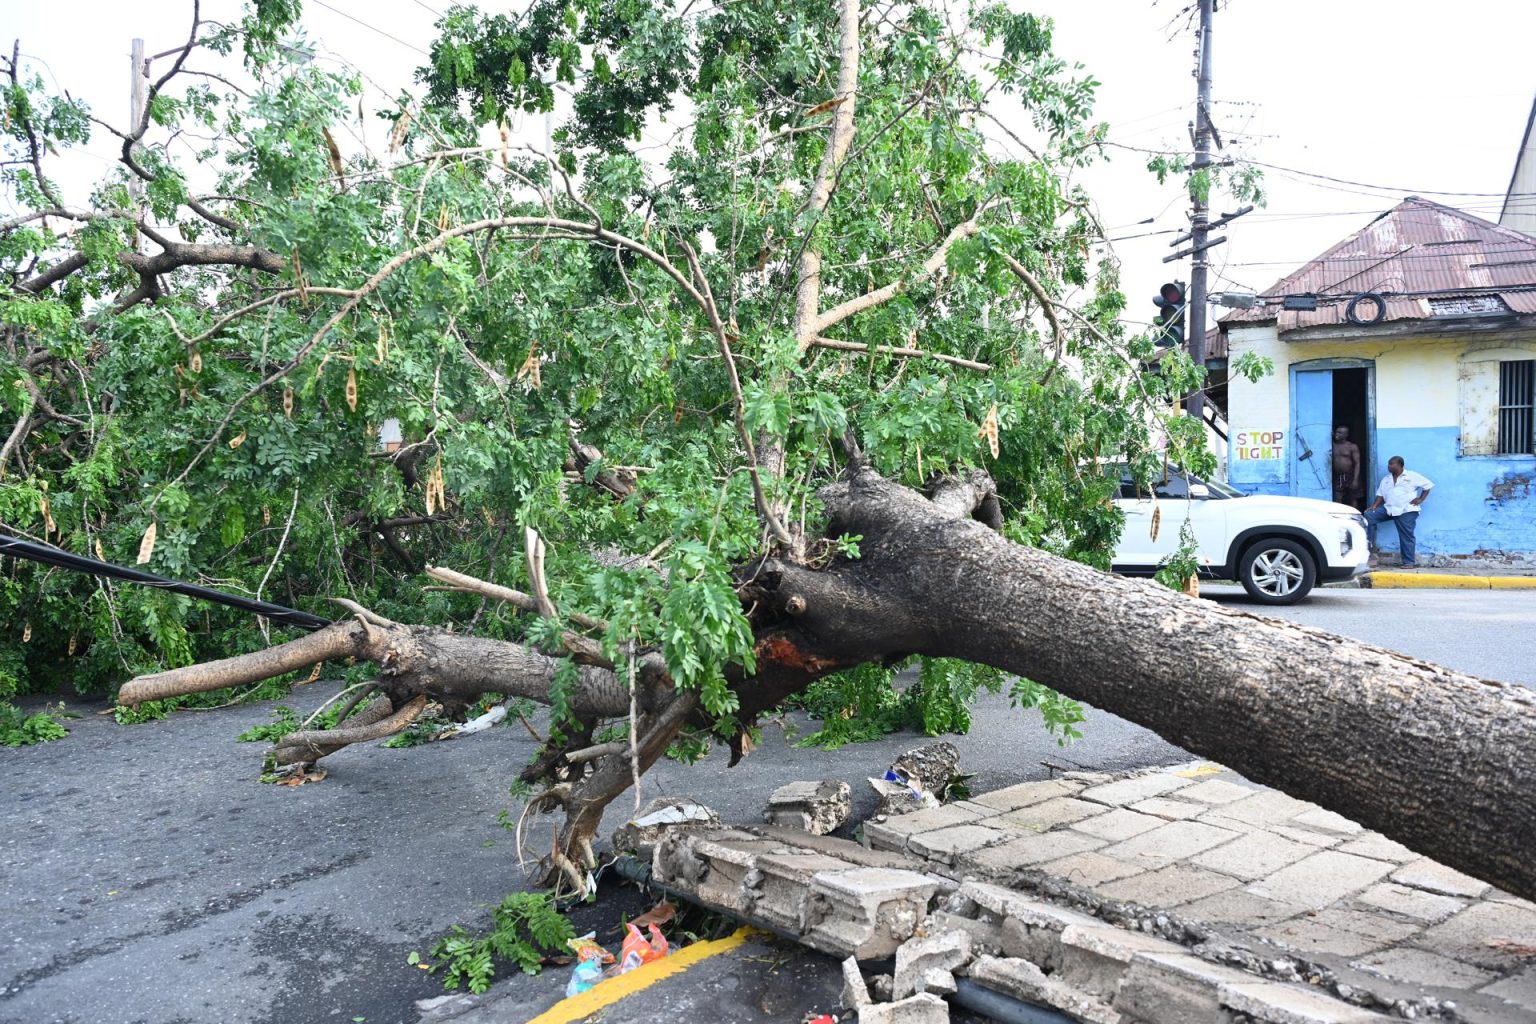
pixel 147 545
pixel 352 388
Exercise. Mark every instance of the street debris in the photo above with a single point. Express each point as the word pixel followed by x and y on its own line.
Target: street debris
pixel 640 834
pixel 815 807
pixel 918 780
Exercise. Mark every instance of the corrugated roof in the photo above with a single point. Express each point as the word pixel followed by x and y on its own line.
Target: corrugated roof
pixel 1416 251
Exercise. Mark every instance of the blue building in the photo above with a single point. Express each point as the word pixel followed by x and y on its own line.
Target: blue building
pixel 1418 334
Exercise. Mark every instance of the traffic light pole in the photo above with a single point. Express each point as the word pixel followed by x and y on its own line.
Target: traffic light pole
pixel 1199 193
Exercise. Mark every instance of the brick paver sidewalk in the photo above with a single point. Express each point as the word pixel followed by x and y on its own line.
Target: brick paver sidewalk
pixel 1183 894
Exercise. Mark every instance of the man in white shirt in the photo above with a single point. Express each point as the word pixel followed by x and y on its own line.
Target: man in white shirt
pixel 1398 498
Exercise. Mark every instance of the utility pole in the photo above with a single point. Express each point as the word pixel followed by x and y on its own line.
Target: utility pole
pixel 1199 193
pixel 136 93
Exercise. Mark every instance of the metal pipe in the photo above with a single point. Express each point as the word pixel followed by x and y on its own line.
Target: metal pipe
pixel 971 996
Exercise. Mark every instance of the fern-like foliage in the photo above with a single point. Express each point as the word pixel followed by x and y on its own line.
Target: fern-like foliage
pixel 524 929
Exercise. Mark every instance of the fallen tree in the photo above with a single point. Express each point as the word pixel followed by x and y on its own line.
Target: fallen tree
pixel 827 391
pixel 1440 761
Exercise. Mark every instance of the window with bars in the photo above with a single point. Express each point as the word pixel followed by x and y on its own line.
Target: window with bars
pixel 1517 407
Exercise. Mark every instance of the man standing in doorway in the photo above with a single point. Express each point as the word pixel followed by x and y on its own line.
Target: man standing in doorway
pixel 1346 468
pixel 1398 498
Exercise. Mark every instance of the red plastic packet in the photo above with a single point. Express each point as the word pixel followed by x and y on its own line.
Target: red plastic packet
pixel 637 949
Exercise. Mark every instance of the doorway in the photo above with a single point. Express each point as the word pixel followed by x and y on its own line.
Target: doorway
pixel 1325 394
pixel 1351 393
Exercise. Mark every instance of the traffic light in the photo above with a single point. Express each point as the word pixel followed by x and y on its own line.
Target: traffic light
pixel 1170 317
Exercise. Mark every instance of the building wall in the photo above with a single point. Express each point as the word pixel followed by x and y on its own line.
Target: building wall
pixel 1519 210
pixel 1435 405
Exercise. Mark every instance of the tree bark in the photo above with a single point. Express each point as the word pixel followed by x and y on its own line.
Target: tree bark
pixel 1442 762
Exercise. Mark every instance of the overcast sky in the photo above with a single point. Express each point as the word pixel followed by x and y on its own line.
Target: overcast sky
pixel 1405 97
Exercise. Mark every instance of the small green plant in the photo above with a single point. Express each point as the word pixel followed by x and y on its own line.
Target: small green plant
pixel 525 928
pixel 1183 564
pixel 22 730
pixel 284 721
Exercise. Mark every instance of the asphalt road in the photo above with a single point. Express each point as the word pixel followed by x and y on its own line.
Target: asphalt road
pixel 148 877
pixel 1488 633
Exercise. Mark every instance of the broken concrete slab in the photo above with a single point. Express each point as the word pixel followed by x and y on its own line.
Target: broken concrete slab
pixel 868 912
pixel 918 1009
pixel 842 849
pixel 927 964
pixel 1095 957
pixel 934 766
pixel 640 834
pixel 783 887
pixel 855 992
pixel 1159 985
pixel 816 807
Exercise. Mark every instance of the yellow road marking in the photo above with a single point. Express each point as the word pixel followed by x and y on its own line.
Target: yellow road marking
pixel 1199 770
pixel 1446 581
pixel 606 993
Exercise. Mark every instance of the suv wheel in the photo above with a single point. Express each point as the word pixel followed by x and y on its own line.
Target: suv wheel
pixel 1277 571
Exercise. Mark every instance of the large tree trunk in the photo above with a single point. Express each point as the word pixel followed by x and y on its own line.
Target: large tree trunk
pixel 1444 763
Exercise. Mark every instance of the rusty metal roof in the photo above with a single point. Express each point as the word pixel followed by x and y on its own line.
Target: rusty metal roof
pixel 1416 252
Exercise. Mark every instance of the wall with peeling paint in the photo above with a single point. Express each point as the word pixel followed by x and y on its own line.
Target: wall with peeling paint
pixel 1435 404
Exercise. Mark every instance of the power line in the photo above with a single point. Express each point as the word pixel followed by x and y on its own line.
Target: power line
pixel 1382 188
pixel 373 28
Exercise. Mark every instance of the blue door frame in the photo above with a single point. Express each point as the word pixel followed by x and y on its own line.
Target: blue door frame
pixel 1308 458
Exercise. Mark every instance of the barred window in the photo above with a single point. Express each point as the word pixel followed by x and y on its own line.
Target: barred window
pixel 1517 407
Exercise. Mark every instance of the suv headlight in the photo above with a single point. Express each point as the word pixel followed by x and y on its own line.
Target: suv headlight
pixel 1346 538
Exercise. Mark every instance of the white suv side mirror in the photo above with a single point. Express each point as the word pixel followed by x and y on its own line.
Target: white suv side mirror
pixel 1198 490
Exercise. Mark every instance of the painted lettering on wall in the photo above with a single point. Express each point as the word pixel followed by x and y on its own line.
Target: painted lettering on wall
pixel 1258 445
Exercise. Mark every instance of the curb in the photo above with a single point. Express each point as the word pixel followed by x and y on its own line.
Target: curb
pixel 1430 580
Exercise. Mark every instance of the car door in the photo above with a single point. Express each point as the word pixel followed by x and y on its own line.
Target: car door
pixel 1168 504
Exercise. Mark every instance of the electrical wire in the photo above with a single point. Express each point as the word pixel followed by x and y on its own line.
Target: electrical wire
pixel 372 28
pixel 59 558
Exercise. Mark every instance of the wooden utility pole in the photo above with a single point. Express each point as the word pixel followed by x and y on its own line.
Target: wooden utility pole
pixel 136 93
pixel 1199 194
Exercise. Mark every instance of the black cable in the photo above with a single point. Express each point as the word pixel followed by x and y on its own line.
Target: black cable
pixel 59 558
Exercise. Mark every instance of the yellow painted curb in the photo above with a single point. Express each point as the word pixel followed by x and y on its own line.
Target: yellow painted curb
pixel 1448 581
pixel 606 993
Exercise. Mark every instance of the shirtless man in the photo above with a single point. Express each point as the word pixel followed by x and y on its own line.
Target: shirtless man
pixel 1346 468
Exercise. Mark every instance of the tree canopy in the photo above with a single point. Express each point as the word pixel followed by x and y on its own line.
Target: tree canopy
pixel 628 347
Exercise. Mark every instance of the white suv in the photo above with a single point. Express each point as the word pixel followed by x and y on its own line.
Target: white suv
pixel 1277 546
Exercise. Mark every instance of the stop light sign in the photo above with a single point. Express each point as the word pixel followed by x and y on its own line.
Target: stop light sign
pixel 1170 317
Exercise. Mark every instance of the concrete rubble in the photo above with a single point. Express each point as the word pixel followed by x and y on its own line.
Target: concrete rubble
pixel 917 779
pixel 816 807
pixel 1178 895
pixel 639 834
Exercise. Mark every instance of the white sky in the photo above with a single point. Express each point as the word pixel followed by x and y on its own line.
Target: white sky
pixel 1409 97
